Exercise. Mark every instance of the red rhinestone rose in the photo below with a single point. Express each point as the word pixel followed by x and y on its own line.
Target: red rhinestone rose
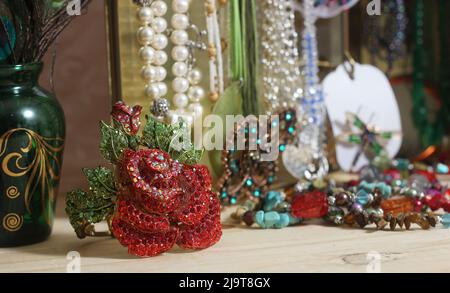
pixel 162 202
pixel 129 117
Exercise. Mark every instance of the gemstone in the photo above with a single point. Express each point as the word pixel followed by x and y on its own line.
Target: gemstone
pixel 310 205
pixel 434 200
pixel 418 182
pixel 445 220
pixel 397 205
pixel 342 199
pixel 284 221
pixel 271 219
pixel 248 218
pixel 259 219
pixel 363 197
pixel 442 168
pixel 418 205
pixel 273 198
pixel 369 173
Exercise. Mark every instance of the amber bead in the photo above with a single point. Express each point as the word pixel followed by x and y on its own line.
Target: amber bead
pixel 397 205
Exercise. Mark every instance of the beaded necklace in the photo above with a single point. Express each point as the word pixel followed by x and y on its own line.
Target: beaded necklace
pixel 308 158
pixel 396 198
pixel 386 34
pixel 431 132
pixel 215 51
pixel 246 175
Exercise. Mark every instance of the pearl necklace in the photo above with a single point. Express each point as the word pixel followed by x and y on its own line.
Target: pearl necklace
pixel 152 35
pixel 282 82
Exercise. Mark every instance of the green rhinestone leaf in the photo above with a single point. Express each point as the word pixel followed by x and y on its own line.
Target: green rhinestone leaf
pixel 84 208
pixel 101 182
pixel 157 135
pixel 113 142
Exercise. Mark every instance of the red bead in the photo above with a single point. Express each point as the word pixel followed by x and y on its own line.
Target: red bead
pixel 418 205
pixel 310 205
pixel 446 206
pixel 434 200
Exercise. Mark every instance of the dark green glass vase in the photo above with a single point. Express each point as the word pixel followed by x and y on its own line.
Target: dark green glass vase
pixel 32 132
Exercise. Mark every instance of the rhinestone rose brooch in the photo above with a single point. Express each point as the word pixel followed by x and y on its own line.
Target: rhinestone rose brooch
pixel 155 196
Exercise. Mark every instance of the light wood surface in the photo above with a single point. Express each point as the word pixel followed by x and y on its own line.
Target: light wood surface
pixel 307 248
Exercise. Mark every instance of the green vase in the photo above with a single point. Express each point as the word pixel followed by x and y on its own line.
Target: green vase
pixel 32 132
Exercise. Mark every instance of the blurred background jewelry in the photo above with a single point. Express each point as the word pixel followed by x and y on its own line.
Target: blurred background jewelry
pixel 307 159
pixel 280 70
pixel 216 73
pixel 386 34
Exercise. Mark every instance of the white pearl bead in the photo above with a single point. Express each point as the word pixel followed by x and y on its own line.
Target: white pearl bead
pixel 180 69
pixel 196 94
pixel 162 86
pixel 180 6
pixel 159 24
pixel 160 42
pixel 180 101
pixel 172 117
pixel 145 35
pixel 161 73
pixel 152 91
pixel 195 76
pixel 180 53
pixel 147 54
pixel 159 8
pixel 180 21
pixel 145 15
pixel 148 73
pixel 179 37
pixel 180 85
pixel 196 109
pixel 160 58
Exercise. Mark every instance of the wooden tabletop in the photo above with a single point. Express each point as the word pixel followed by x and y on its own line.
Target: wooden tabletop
pixel 307 248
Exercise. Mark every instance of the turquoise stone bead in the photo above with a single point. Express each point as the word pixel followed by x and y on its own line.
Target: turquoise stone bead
pixel 445 220
pixel 259 219
pixel 273 198
pixel 293 220
pixel 402 164
pixel 271 219
pixel 386 190
pixel 363 197
pixel 442 169
pixel 283 222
